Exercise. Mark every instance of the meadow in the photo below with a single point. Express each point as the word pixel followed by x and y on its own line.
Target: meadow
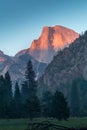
pixel 21 124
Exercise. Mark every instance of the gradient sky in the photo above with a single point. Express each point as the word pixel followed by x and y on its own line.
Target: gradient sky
pixel 21 21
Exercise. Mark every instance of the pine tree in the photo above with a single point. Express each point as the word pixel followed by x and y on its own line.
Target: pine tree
pixel 25 91
pixel 60 108
pixel 74 99
pixel 32 105
pixel 8 85
pixel 30 77
pixel 2 96
pixel 47 104
pixel 17 102
pixel 17 93
pixel 5 96
pixel 2 89
pixel 8 95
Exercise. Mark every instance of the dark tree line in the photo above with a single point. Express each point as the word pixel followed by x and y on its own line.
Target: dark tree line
pixel 55 106
pixel 24 103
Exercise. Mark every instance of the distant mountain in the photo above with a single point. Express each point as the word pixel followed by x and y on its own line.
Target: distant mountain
pixel 17 66
pixel 69 64
pixel 5 62
pixel 51 40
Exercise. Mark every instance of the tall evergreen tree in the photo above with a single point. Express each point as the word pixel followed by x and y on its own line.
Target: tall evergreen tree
pixel 75 99
pixel 8 95
pixel 30 77
pixel 2 89
pixel 32 105
pixel 47 104
pixel 25 91
pixel 17 93
pixel 5 96
pixel 17 102
pixel 8 85
pixel 2 96
pixel 60 108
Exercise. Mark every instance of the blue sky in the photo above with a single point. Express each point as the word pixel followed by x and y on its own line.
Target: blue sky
pixel 21 21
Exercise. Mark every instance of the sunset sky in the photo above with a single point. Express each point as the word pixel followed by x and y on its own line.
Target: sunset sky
pixel 21 21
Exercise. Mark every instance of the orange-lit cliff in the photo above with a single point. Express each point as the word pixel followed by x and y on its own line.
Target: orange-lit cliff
pixel 51 40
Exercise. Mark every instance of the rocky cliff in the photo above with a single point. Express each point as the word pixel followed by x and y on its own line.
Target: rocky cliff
pixel 51 40
pixel 67 65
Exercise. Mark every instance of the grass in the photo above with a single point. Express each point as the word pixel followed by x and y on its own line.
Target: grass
pixel 13 124
pixel 21 124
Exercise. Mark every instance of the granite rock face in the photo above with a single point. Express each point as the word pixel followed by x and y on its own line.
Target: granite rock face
pixel 51 40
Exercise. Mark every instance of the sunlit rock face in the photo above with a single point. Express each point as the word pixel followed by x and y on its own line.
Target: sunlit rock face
pixel 51 40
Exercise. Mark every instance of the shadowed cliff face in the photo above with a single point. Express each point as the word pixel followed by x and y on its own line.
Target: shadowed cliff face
pixel 69 64
pixel 17 66
pixel 51 40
